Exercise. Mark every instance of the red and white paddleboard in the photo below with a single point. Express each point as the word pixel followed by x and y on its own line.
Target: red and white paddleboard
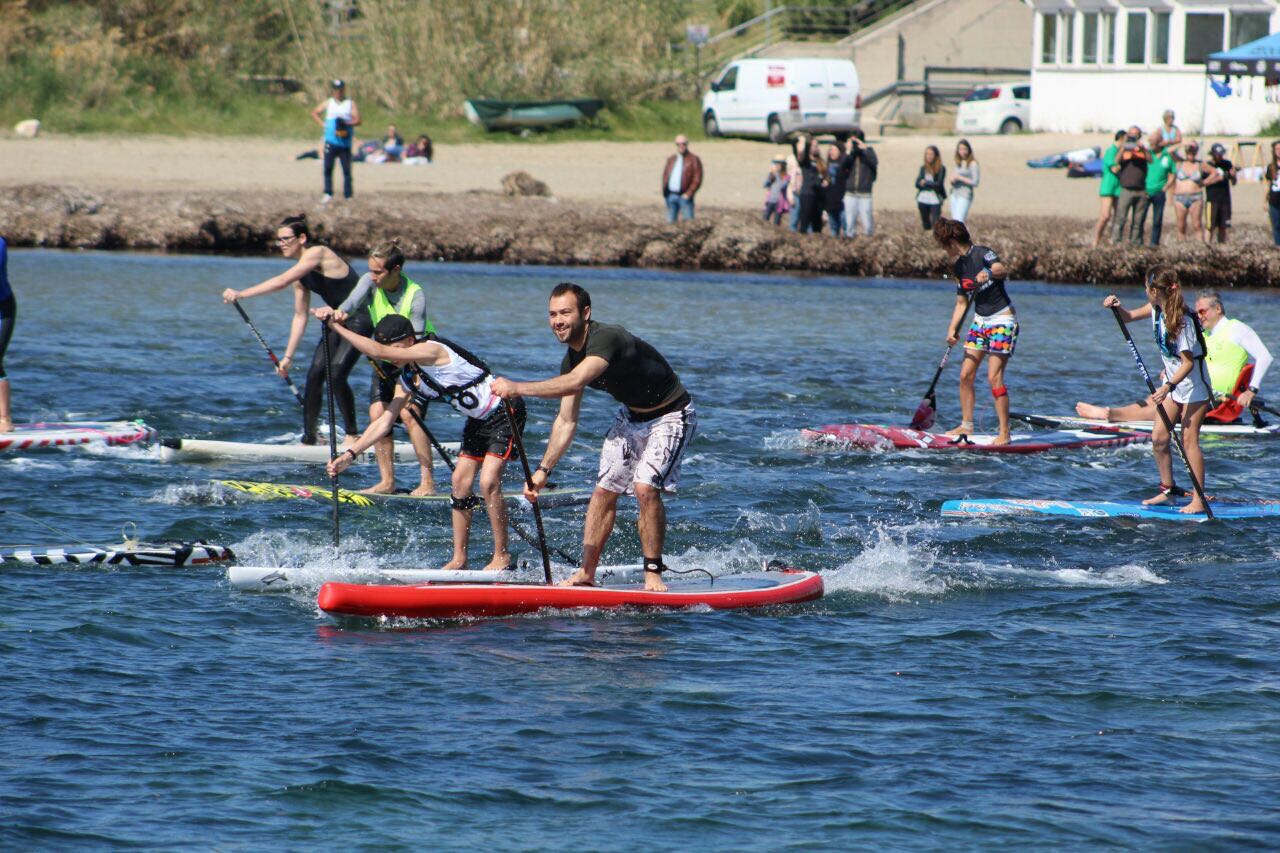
pixel 447 601
pixel 875 437
pixel 38 436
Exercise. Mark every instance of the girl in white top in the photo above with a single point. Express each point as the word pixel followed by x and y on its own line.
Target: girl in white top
pixel 963 180
pixel 1185 395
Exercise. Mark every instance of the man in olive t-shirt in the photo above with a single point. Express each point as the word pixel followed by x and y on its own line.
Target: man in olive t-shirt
pixel 644 446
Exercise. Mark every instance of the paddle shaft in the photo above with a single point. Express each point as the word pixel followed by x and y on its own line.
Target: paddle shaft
pixel 333 434
pixel 1174 438
pixel 528 480
pixel 270 354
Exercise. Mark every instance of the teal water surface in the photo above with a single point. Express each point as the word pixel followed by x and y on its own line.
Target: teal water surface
pixel 963 684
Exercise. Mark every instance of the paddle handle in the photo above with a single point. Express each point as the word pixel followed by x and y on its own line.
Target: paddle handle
pixel 528 479
pixel 333 434
pixel 1174 438
pixel 270 354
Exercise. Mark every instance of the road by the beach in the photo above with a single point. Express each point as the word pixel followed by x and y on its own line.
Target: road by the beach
pixel 601 172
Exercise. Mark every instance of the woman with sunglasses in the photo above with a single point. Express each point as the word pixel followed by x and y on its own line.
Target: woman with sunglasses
pixel 322 271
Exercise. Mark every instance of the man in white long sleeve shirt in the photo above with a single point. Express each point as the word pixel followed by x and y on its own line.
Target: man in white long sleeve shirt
pixel 1235 356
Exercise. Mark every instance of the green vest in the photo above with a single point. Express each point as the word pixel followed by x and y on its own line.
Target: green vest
pixel 1225 358
pixel 380 306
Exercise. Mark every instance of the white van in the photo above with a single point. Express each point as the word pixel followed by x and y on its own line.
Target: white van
pixel 776 98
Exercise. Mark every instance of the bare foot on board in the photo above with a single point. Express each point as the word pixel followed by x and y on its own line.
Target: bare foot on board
pixel 963 429
pixel 382 488
pixel 1096 413
pixel 579 578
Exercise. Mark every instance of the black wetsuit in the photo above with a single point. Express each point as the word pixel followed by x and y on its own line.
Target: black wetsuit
pixel 8 305
pixel 333 291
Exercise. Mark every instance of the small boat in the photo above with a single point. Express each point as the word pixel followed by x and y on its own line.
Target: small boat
pixel 516 115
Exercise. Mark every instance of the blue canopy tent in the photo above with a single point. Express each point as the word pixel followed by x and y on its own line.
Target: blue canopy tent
pixel 1259 58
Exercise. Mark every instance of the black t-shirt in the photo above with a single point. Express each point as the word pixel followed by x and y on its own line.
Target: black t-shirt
pixel 638 376
pixel 1219 192
pixel 989 297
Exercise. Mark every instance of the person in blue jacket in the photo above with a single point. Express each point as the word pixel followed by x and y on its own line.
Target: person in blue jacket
pixel 8 314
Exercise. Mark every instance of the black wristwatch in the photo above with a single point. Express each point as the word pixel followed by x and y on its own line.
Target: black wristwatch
pixel 544 469
pixel 1253 389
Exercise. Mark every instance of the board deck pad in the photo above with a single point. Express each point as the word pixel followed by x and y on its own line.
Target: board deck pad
pixel 199 449
pixel 1224 510
pixel 449 601
pixel 875 437
pixel 1207 428
pixel 28 437
pixel 175 554
pixel 559 496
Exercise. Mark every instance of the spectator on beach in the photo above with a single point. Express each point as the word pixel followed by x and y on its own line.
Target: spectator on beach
pixel 837 174
pixel 8 316
pixel 775 184
pixel 863 165
pixel 1131 169
pixel 1167 135
pixel 420 151
pixel 680 180
pixel 1188 198
pixel 965 178
pixel 1220 174
pixel 338 115
pixel 813 177
pixel 1159 182
pixel 393 144
pixel 1272 197
pixel 1109 191
pixel 931 187
pixel 794 183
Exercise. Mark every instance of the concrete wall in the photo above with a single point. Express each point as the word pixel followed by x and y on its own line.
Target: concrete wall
pixel 1080 101
pixel 943 32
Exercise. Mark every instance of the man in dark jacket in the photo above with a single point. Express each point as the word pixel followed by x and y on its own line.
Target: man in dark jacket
pixel 681 179
pixel 862 165
pixel 1131 169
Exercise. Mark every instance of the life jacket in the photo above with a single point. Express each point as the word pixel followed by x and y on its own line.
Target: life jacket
pixel 1225 357
pixel 380 306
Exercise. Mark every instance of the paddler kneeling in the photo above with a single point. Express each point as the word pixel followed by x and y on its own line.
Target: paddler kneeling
pixel 437 369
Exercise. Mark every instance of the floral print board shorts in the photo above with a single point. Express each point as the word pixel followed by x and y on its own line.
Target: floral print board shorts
pixel 996 335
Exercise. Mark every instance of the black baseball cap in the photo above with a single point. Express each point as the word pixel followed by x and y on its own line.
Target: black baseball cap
pixel 392 328
pixel 1217 149
pixel 337 83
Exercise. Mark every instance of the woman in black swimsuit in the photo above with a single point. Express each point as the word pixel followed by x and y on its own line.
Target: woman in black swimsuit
pixel 322 271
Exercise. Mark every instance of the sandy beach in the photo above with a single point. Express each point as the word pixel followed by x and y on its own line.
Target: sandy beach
pixel 604 173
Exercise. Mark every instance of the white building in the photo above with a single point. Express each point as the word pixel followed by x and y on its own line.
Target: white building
pixel 1100 65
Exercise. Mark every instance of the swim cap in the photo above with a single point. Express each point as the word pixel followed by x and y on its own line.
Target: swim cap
pixel 392 328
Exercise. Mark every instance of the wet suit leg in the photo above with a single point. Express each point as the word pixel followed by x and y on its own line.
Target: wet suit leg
pixel 8 315
pixel 345 358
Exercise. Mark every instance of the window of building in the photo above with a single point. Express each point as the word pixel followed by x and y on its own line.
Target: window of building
pixel 1107 34
pixel 1204 36
pixel 1068 38
pixel 1160 39
pixel 1049 39
pixel 1089 38
pixel 1248 26
pixel 1135 48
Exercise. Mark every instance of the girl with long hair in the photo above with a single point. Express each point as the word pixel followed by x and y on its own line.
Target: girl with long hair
pixel 320 270
pixel 813 182
pixel 931 187
pixel 1272 197
pixel 980 277
pixel 966 177
pixel 1186 393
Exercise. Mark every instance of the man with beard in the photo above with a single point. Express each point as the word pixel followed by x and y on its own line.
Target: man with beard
pixel 644 446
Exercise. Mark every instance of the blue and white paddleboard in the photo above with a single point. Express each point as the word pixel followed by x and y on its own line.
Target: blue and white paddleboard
pixel 1106 509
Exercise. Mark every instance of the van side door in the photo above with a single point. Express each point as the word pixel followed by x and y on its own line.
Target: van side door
pixel 842 93
pixel 728 104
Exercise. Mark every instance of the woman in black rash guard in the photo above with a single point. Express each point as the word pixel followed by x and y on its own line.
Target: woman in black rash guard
pixel 322 271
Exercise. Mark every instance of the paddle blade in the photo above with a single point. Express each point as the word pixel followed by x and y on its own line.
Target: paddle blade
pixel 925 413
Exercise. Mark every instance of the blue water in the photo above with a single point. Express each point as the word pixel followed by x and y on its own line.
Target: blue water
pixel 963 684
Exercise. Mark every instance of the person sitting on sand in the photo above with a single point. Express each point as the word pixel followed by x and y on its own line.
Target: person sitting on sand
pixel 393 144
pixel 438 369
pixel 980 275
pixel 419 152
pixel 1185 394
pixel 382 291
pixel 1236 359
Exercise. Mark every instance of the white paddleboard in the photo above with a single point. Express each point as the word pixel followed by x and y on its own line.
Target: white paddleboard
pixel 198 449
pixel 281 579
pixel 27 437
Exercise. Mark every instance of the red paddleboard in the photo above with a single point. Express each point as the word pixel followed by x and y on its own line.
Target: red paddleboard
pixel 876 437
pixel 38 436
pixel 446 601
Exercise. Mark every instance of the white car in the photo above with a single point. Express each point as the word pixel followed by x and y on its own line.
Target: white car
pixel 996 108
pixel 777 98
